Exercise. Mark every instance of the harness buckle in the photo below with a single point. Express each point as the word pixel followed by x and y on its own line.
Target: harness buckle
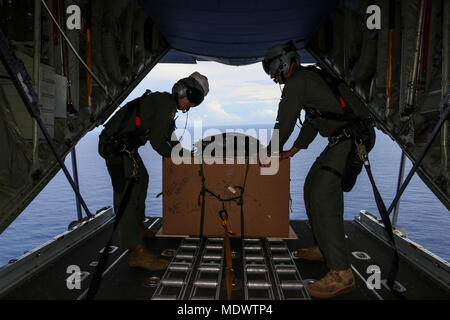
pixel 332 141
pixel 362 152
pixel 344 134
pixel 347 132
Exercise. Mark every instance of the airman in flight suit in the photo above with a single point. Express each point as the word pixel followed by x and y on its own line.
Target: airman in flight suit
pixel 306 88
pixel 148 118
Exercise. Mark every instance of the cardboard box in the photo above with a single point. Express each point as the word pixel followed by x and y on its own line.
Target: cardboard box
pixel 266 199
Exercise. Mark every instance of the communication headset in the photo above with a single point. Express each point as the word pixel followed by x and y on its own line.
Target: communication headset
pixel 186 88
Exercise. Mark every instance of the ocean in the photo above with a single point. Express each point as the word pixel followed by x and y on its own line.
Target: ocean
pixel 422 215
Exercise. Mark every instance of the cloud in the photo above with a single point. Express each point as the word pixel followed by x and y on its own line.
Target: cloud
pixel 236 92
pixel 215 110
pixel 269 112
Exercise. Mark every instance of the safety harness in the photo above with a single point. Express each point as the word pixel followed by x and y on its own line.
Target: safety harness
pixel 357 128
pixel 111 146
pixel 355 131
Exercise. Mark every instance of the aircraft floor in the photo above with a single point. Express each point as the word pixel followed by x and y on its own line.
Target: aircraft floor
pixel 120 282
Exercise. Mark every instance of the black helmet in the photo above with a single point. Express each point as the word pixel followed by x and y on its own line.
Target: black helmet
pixel 278 59
pixel 195 87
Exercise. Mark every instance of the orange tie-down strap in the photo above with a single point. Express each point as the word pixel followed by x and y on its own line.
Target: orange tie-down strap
pixel 228 259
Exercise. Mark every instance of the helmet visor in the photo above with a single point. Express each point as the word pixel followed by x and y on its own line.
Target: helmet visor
pixel 268 63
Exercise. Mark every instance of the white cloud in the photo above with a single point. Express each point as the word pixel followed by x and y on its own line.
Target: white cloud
pixel 213 107
pixel 235 91
pixel 269 112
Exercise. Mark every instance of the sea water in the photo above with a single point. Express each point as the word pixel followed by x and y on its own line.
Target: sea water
pixel 422 215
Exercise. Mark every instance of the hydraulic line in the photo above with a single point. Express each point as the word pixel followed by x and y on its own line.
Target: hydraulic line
pixel 65 64
pixel 413 84
pixel 445 75
pixel 75 51
pixel 390 53
pixel 88 53
pixel 36 70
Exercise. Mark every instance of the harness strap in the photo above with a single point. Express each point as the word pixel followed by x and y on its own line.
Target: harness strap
pixel 333 171
pixel 101 266
pixel 387 225
pixel 332 83
pixel 202 194
pixel 228 259
pixel 238 199
pixel 242 197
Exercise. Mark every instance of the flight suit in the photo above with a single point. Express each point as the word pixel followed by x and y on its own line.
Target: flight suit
pixel 323 194
pixel 156 124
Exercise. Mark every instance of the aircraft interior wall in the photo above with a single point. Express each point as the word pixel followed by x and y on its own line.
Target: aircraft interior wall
pixel 124 45
pixel 363 58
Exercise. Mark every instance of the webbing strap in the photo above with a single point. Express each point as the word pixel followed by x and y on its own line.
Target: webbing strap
pixel 333 171
pixel 228 259
pixel 202 194
pixel 379 201
pixel 99 269
pixel 333 84
pixel 387 225
pixel 242 198
pixel 238 199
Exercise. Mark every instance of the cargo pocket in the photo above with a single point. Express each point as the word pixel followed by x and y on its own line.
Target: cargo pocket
pixel 116 171
pixel 352 169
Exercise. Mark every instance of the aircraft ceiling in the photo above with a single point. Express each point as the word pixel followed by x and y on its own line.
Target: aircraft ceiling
pixel 235 32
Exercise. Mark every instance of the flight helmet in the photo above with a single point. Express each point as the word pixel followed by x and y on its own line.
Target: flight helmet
pixel 278 59
pixel 195 87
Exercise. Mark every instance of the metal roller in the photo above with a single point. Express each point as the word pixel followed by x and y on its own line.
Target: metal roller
pixel 254 258
pixel 253 248
pixel 214 247
pixel 212 257
pixel 278 248
pixel 178 267
pixel 184 256
pixel 281 258
pixel 291 285
pixel 172 282
pixel 164 297
pixel 206 283
pixel 285 270
pixel 209 269
pixel 256 269
pixel 258 284
pixel 189 246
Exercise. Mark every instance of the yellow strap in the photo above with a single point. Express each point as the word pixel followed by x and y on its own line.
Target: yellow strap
pixel 228 259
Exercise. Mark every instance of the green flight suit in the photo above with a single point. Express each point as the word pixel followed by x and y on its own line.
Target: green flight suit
pixel 322 192
pixel 156 115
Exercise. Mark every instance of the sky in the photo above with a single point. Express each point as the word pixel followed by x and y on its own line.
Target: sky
pixel 242 95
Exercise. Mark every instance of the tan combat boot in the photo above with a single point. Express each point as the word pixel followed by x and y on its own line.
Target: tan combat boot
pixel 141 257
pixel 332 285
pixel 312 254
pixel 146 232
